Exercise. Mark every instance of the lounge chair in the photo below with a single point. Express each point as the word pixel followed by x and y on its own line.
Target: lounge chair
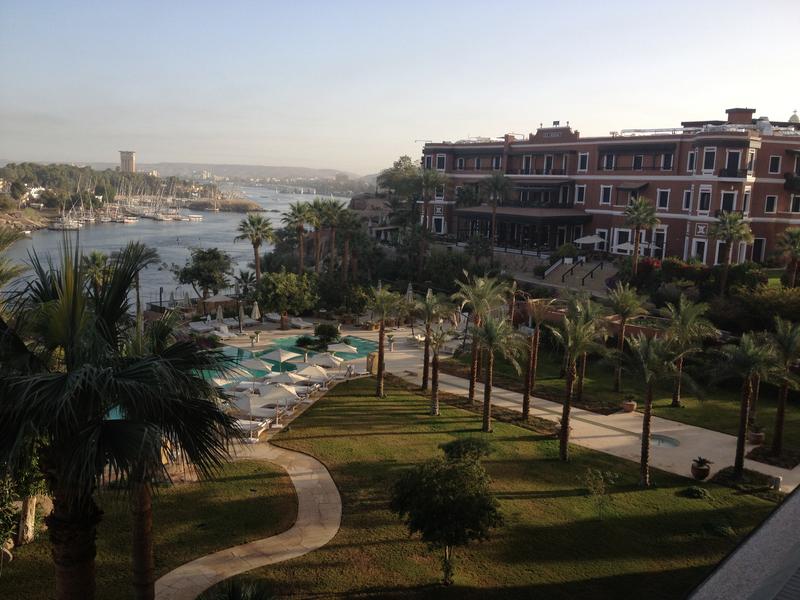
pixel 299 323
pixel 200 327
pixel 273 317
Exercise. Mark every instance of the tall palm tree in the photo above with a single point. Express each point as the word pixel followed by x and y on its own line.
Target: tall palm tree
pixel 745 361
pixel 143 256
pixel 497 187
pixel 578 336
pixel 789 245
pixel 480 295
pixel 332 212
pixel 384 303
pixel 786 344
pixel 257 230
pixel 297 218
pixel 247 281
pixel 687 329
pixel 430 308
pixel 730 228
pixel 315 218
pixel 581 306
pixel 627 304
pixel 67 415
pixel 640 215
pixel 350 227
pixel 496 337
pixel 439 337
pixel 538 308
pixel 652 360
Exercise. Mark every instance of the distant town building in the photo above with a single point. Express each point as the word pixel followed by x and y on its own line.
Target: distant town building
pixel 564 187
pixel 127 161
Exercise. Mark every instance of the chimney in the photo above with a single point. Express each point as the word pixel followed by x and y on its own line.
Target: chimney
pixel 740 116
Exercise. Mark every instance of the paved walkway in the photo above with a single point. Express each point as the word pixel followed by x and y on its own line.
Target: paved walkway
pixel 618 434
pixel 319 514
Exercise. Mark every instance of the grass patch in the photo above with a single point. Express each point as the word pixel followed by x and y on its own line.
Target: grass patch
pixel 650 543
pixel 752 484
pixel 249 500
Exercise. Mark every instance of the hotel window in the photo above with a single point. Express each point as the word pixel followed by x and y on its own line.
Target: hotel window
pixel 771 204
pixel 548 164
pixel 526 164
pixel 691 161
pixel 605 194
pixel 746 201
pixel 751 161
pixel 428 161
pixel 478 164
pixel 608 162
pixel 666 161
pixel 441 161
pixel 583 161
pixel 603 233
pixel 774 164
pixel 458 191
pixel 704 203
pixel 638 161
pixel 663 200
pixel 728 202
pixel 460 164
pixel 709 158
pixel 440 192
pixel 497 162
pixel 687 199
pixel 795 206
pixel 580 194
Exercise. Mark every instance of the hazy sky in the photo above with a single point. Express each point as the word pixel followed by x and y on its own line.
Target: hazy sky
pixel 352 85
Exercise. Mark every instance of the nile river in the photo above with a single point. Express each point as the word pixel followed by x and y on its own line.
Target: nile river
pixel 172 239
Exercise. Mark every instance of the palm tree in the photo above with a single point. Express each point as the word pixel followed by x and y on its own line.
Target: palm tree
pixel 65 415
pixel 730 228
pixel 257 230
pixel 627 304
pixel 789 245
pixel 350 227
pixel 786 344
pixel 581 306
pixel 578 337
pixel 95 264
pixel 297 218
pixel 384 303
pixel 687 329
pixel 745 361
pixel 480 295
pixel 652 360
pixel 496 337
pixel 144 256
pixel 429 180
pixel 438 337
pixel 538 309
pixel 497 187
pixel 332 212
pixel 316 211
pixel 247 281
pixel 430 308
pixel 640 215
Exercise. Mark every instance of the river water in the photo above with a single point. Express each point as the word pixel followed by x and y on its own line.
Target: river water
pixel 172 239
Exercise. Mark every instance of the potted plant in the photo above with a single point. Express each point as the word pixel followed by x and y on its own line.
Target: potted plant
pixel 701 467
pixel 628 403
pixel 756 435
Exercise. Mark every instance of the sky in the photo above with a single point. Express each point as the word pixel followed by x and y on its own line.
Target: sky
pixel 354 85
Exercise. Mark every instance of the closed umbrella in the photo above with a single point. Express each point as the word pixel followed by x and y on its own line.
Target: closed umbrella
pixel 256 314
pixel 241 316
pixel 171 299
pixel 220 316
pixel 280 356
pixel 186 300
pixel 410 293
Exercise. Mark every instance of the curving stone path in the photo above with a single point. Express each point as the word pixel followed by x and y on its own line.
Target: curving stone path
pixel 319 514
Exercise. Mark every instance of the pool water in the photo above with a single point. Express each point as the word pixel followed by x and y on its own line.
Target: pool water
pixel 664 441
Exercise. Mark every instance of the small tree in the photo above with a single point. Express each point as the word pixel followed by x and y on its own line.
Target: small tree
pixel 206 271
pixel 430 308
pixel 785 340
pixel 597 483
pixel 730 228
pixel 449 504
pixel 640 216
pixel 287 292
pixel 384 303
pixel 626 304
pixel 438 337
pixel 257 230
pixel 537 309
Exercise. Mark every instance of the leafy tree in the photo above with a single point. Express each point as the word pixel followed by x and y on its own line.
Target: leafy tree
pixel 288 292
pixel 640 215
pixel 449 504
pixel 478 247
pixel 788 243
pixel 467 448
pixel 730 228
pixel 257 230
pixel 538 309
pixel 496 337
pixel 626 304
pixel 786 345
pixel 297 218
pixel 17 190
pixel 207 269
pixel 352 230
pixel 687 329
pixel 384 303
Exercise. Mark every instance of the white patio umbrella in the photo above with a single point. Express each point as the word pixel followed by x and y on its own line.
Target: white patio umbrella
pixel 280 356
pixel 288 377
pixel 255 364
pixel 625 246
pixel 218 298
pixel 325 359
pixel 277 393
pixel 220 316
pixel 346 348
pixel 312 372
pixel 255 314
pixel 251 404
pixel 589 239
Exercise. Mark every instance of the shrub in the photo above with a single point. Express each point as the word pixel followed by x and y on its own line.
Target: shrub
pixel 597 483
pixel 466 449
pixel 719 529
pixel 696 492
pixel 327 333
pixel 539 270
pixel 305 341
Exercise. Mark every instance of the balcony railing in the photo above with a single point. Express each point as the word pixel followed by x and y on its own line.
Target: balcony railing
pixel 726 172
pixel 532 171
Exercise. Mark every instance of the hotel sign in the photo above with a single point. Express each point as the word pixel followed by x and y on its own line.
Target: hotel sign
pixel 701 229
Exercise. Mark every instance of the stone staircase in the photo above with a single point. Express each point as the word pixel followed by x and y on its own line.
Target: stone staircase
pixel 589 276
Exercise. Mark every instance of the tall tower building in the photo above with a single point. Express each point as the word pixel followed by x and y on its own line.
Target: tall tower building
pixel 127 161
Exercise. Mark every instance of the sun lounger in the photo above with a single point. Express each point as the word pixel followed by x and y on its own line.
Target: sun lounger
pixel 222 335
pixel 299 323
pixel 273 317
pixel 253 428
pixel 200 327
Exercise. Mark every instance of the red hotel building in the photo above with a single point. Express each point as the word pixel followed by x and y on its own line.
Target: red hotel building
pixel 565 186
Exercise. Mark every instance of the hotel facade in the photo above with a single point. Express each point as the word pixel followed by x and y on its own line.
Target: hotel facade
pixel 564 187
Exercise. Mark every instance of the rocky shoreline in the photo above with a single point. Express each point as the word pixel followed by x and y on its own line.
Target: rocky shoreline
pixel 24 220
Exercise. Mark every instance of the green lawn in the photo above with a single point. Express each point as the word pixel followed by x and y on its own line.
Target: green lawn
pixel 651 544
pixel 249 500
pixel 718 409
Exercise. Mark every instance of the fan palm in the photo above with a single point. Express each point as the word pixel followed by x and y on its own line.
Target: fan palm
pixel 430 308
pixel 789 245
pixel 640 215
pixel 297 218
pixel 538 308
pixel 786 344
pixel 496 337
pixel 626 304
pixel 257 230
pixel 581 306
pixel 480 295
pixel 247 281
pixel 497 187
pixel 688 327
pixel 95 264
pixel 746 360
pixel 384 303
pixel 730 228
pixel 438 337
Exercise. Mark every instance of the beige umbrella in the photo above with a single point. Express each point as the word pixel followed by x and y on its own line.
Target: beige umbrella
pixel 280 356
pixel 289 377
pixel 325 359
pixel 256 364
pixel 346 348
pixel 277 393
pixel 312 372
pixel 256 314
pixel 220 316
pixel 218 299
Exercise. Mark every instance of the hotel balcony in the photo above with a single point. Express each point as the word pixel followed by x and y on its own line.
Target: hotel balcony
pixel 538 172
pixel 738 173
pixel 792 182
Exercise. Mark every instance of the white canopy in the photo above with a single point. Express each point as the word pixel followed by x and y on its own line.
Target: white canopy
pixel 325 359
pixel 589 239
pixel 289 377
pixel 276 393
pixel 312 372
pixel 217 299
pixel 346 348
pixel 255 314
pixel 255 364
pixel 252 404
pixel 280 355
